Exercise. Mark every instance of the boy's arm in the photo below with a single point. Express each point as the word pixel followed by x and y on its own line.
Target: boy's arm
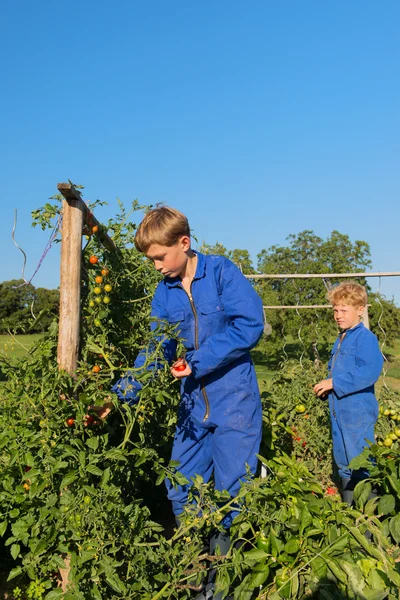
pixel 127 387
pixel 243 307
pixel 368 366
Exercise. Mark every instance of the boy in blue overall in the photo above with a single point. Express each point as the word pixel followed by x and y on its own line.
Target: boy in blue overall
pixel 354 367
pixel 219 318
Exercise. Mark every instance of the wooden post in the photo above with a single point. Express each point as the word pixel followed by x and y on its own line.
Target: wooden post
pixel 70 284
pixel 365 318
pixel 75 214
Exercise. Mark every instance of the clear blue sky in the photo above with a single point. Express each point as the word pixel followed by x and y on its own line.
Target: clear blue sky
pixel 257 119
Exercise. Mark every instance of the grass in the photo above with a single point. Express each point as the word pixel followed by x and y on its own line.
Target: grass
pixel 17 346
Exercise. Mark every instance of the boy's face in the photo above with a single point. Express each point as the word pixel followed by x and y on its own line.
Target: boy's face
pixel 346 315
pixel 170 261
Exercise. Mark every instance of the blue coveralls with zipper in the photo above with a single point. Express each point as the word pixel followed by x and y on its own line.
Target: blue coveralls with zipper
pixel 219 421
pixel 355 365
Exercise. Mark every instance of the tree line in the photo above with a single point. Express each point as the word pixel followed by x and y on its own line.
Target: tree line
pixel 310 330
pixel 26 309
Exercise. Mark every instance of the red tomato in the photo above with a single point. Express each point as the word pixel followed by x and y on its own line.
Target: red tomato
pixel 180 368
pixel 70 421
pixel 105 272
pixel 95 229
pixel 93 260
pixel 96 369
pixel 99 279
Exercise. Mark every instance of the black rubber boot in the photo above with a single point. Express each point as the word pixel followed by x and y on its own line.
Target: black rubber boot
pixel 347 491
pixel 348 486
pixel 223 542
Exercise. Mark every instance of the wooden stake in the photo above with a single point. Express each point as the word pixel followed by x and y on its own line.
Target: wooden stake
pixel 70 284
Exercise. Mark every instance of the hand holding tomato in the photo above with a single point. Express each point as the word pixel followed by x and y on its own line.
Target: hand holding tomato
pixel 180 369
pixel 101 411
pixel 322 388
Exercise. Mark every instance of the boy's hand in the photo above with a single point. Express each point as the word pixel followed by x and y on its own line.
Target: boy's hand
pixel 180 369
pixel 322 388
pixel 101 411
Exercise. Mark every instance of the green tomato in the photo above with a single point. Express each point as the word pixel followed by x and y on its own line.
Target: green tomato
pixel 263 543
pixel 87 499
pixel 97 322
pixel 91 303
pixel 283 585
pixel 300 408
pixel 106 299
pixel 97 290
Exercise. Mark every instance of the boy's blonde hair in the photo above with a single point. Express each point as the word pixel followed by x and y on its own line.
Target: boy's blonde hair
pixel 348 292
pixel 161 225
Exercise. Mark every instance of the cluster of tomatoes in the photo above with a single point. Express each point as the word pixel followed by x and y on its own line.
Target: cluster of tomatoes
pixel 392 413
pixel 101 290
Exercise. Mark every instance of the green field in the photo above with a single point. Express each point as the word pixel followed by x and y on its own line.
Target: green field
pixel 17 346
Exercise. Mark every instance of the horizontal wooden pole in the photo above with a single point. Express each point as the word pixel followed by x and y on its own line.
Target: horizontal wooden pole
pixel 71 194
pixel 295 306
pixel 319 275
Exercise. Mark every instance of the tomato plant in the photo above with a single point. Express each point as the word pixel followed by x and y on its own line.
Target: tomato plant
pixel 82 490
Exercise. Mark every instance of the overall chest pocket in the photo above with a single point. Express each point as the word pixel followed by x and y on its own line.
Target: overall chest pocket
pixel 212 318
pixel 183 323
pixel 345 360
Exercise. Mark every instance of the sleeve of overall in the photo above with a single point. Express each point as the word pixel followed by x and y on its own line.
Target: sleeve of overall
pixel 244 313
pixel 127 388
pixel 368 366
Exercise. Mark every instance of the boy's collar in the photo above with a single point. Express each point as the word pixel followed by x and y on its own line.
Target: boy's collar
pixel 200 271
pixel 360 324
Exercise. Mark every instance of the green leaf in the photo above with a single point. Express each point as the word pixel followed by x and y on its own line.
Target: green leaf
pixel 254 555
pixel 376 581
pixel 386 504
pixel 394 527
pixel 3 528
pixel 15 550
pixel 338 546
pixel 292 546
pixel 68 479
pixel 115 583
pixel 54 594
pixel 94 470
pixel 14 573
pixel 356 579
pixel 93 443
pixel 258 575
pixel 362 492
pixel 306 519
pixel 105 477
pixel 19 528
pixel 374 594
pixel 243 591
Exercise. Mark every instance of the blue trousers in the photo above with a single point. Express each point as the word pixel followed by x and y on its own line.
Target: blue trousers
pixel 351 433
pixel 222 446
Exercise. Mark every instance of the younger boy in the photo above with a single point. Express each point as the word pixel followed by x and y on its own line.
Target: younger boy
pixel 219 318
pixel 354 367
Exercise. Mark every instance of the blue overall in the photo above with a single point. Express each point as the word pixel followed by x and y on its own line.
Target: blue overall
pixel 219 420
pixel 355 365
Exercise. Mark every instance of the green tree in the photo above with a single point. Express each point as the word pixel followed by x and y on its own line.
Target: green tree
pixel 310 331
pixel 24 307
pixel 241 258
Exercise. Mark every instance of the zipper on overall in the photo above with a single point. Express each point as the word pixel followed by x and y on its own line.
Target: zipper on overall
pixel 196 344
pixel 333 363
